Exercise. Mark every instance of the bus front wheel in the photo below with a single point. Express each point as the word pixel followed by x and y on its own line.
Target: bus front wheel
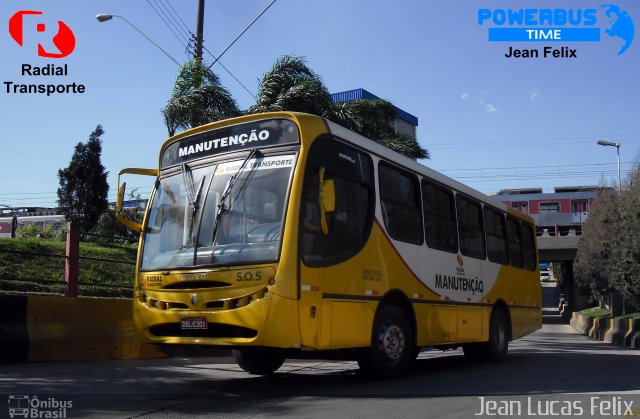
pixel 259 361
pixel 391 349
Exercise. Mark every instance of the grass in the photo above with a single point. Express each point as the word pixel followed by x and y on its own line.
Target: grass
pixel 29 273
pixel 634 316
pixel 595 312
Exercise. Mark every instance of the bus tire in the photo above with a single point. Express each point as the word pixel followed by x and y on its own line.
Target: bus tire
pixel 498 346
pixel 391 349
pixel 259 361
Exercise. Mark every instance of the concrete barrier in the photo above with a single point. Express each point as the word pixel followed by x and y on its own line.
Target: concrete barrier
pixel 14 339
pixel 617 331
pixel 594 326
pixel 634 334
pixel 602 325
pixel 581 323
pixel 47 328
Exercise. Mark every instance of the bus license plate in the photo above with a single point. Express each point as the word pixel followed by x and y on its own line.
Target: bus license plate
pixel 189 323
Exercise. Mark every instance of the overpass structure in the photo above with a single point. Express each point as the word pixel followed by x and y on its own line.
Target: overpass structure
pixel 558 248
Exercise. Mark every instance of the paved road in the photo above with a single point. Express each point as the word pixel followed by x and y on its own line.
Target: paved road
pixel 550 369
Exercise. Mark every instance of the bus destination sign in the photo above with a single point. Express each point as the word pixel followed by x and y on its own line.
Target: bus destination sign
pixel 257 134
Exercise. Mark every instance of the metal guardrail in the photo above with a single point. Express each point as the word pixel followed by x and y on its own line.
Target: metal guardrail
pixel 72 264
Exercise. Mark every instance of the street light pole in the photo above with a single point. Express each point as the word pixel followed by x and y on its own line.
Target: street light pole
pixel 103 17
pixel 617 146
pixel 199 31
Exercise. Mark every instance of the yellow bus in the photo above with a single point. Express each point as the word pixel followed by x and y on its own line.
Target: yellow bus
pixel 284 235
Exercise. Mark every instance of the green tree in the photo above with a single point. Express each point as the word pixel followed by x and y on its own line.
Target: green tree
pixel 198 98
pixel 627 272
pixel 373 118
pixel 82 195
pixel 291 86
pixel 598 253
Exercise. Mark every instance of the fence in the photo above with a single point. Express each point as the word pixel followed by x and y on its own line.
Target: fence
pixel 72 268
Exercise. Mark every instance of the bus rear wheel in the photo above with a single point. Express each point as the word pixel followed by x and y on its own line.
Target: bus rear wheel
pixel 259 361
pixel 497 347
pixel 391 349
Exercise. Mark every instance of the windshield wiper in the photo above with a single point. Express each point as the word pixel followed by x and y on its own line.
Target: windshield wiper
pixel 193 195
pixel 227 191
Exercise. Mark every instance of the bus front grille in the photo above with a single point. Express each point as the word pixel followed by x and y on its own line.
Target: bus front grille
pixel 192 285
pixel 214 330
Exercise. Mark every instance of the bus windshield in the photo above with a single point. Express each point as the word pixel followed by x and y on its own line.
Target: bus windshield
pixel 221 214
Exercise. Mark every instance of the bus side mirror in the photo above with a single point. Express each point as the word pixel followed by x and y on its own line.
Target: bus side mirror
pixel 327 199
pixel 131 225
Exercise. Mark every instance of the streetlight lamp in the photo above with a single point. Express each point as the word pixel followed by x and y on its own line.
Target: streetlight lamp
pixel 617 146
pixel 103 17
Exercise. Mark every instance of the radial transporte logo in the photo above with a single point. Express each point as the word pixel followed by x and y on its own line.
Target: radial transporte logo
pixel 64 39
pixel 558 25
pixel 36 79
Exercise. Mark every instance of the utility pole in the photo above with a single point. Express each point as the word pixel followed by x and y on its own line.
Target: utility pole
pixel 199 32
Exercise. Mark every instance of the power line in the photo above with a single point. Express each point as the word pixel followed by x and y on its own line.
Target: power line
pixel 167 24
pixel 228 71
pixel 242 33
pixel 529 141
pixel 180 18
pixel 172 15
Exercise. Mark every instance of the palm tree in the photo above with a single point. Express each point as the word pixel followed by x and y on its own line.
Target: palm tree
pixel 198 98
pixel 373 119
pixel 291 86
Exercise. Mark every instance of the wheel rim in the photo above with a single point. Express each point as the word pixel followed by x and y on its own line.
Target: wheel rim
pixel 392 341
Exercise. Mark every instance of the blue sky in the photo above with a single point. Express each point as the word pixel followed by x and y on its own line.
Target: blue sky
pixel 488 121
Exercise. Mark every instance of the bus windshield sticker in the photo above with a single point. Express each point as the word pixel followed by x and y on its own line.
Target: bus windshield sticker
pixel 256 164
pixel 258 134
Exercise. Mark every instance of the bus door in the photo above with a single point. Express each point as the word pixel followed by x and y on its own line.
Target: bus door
pixel 336 217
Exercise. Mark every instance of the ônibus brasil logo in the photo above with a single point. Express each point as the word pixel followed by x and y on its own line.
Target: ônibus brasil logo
pixel 64 40
pixel 558 25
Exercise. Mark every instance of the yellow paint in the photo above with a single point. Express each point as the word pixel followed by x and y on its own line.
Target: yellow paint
pixel 331 307
pixel 83 329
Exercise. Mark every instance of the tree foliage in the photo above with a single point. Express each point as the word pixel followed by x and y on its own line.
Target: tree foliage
pixel 82 195
pixel 608 255
pixel 198 98
pixel 291 86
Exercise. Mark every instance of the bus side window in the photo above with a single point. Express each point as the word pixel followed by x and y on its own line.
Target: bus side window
pixel 495 226
pixel 470 227
pixel 515 243
pixel 529 247
pixel 400 202
pixel 349 225
pixel 440 225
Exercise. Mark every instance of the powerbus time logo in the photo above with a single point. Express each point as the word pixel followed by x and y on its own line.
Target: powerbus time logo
pixel 555 26
pixel 24 24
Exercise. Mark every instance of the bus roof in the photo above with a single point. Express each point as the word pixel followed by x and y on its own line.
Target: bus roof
pixel 361 142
